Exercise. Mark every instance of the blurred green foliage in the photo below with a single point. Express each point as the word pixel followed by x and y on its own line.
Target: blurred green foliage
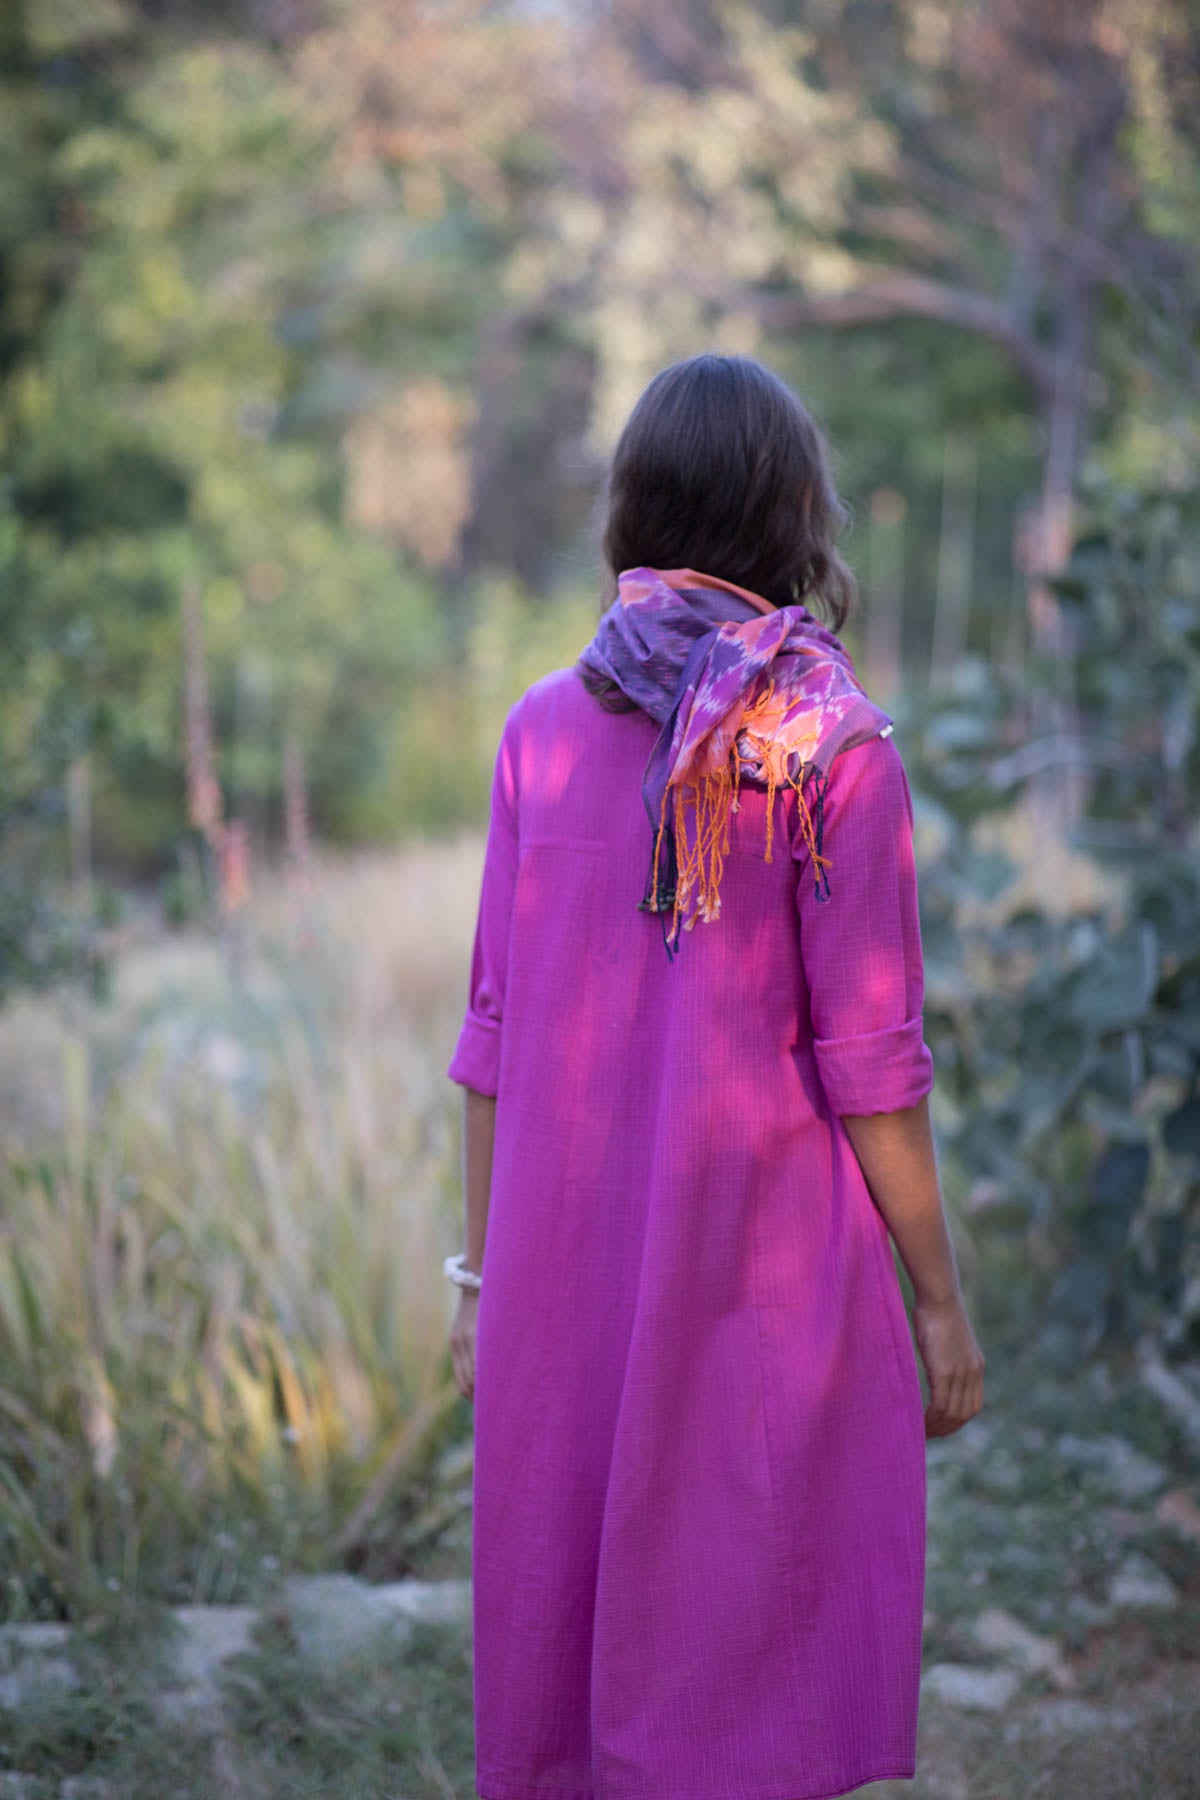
pixel 156 261
pixel 1071 1060
pixel 204 325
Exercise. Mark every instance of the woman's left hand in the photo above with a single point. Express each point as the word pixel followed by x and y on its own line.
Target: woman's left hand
pixel 462 1342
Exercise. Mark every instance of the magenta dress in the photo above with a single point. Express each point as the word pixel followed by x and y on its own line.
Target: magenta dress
pixel 699 1491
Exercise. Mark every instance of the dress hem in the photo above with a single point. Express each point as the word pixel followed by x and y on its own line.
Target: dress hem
pixel 489 1789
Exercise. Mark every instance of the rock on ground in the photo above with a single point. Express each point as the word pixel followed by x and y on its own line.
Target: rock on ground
pixel 1127 1473
pixel 975 1689
pixel 335 1616
pixel 1004 1635
pixel 206 1637
pixel 33 1664
pixel 1140 1582
pixel 1179 1513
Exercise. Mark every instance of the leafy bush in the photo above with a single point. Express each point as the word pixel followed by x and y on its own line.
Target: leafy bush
pixel 1073 1067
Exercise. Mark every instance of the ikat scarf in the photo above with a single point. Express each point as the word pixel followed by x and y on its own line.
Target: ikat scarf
pixel 743 690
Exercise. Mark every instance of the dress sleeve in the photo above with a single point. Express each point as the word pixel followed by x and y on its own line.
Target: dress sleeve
pixel 861 941
pixel 476 1059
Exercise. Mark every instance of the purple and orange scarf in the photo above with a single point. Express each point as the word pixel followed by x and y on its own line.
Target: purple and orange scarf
pixel 743 690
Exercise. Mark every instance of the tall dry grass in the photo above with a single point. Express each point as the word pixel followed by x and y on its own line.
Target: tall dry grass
pixel 224 1200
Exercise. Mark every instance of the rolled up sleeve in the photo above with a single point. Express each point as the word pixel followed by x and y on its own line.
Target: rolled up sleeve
pixel 476 1059
pixel 861 942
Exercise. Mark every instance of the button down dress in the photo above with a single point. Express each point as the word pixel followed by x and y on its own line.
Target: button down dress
pixel 699 1492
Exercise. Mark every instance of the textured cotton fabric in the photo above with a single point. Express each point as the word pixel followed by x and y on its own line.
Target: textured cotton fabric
pixel 699 1489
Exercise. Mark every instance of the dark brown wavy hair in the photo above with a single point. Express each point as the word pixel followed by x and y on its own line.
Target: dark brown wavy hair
pixel 721 468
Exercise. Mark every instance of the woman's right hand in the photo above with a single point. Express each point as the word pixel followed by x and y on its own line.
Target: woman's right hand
pixel 953 1362
pixel 462 1341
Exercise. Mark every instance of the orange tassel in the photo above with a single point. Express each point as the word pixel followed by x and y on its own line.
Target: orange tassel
pixel 700 860
pixel 700 863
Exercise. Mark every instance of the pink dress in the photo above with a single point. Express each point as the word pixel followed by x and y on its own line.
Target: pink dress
pixel 699 1491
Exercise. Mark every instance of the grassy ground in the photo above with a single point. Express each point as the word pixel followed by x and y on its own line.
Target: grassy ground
pixel 224 1201
pixel 1016 1524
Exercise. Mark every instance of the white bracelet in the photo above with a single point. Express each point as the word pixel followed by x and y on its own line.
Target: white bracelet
pixel 460 1275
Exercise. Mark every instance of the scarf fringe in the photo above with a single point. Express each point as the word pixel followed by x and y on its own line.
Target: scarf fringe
pixel 698 864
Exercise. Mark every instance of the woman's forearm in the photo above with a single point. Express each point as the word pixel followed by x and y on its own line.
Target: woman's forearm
pixel 897 1155
pixel 478 1140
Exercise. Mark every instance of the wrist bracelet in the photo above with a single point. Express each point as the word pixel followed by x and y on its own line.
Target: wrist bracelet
pixel 455 1267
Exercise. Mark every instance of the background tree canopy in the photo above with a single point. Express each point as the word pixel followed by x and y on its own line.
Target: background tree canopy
pixel 329 314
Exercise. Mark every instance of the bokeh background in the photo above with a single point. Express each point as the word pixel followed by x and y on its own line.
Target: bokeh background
pixel 318 319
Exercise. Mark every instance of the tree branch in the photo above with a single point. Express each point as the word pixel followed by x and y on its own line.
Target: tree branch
pixel 897 294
